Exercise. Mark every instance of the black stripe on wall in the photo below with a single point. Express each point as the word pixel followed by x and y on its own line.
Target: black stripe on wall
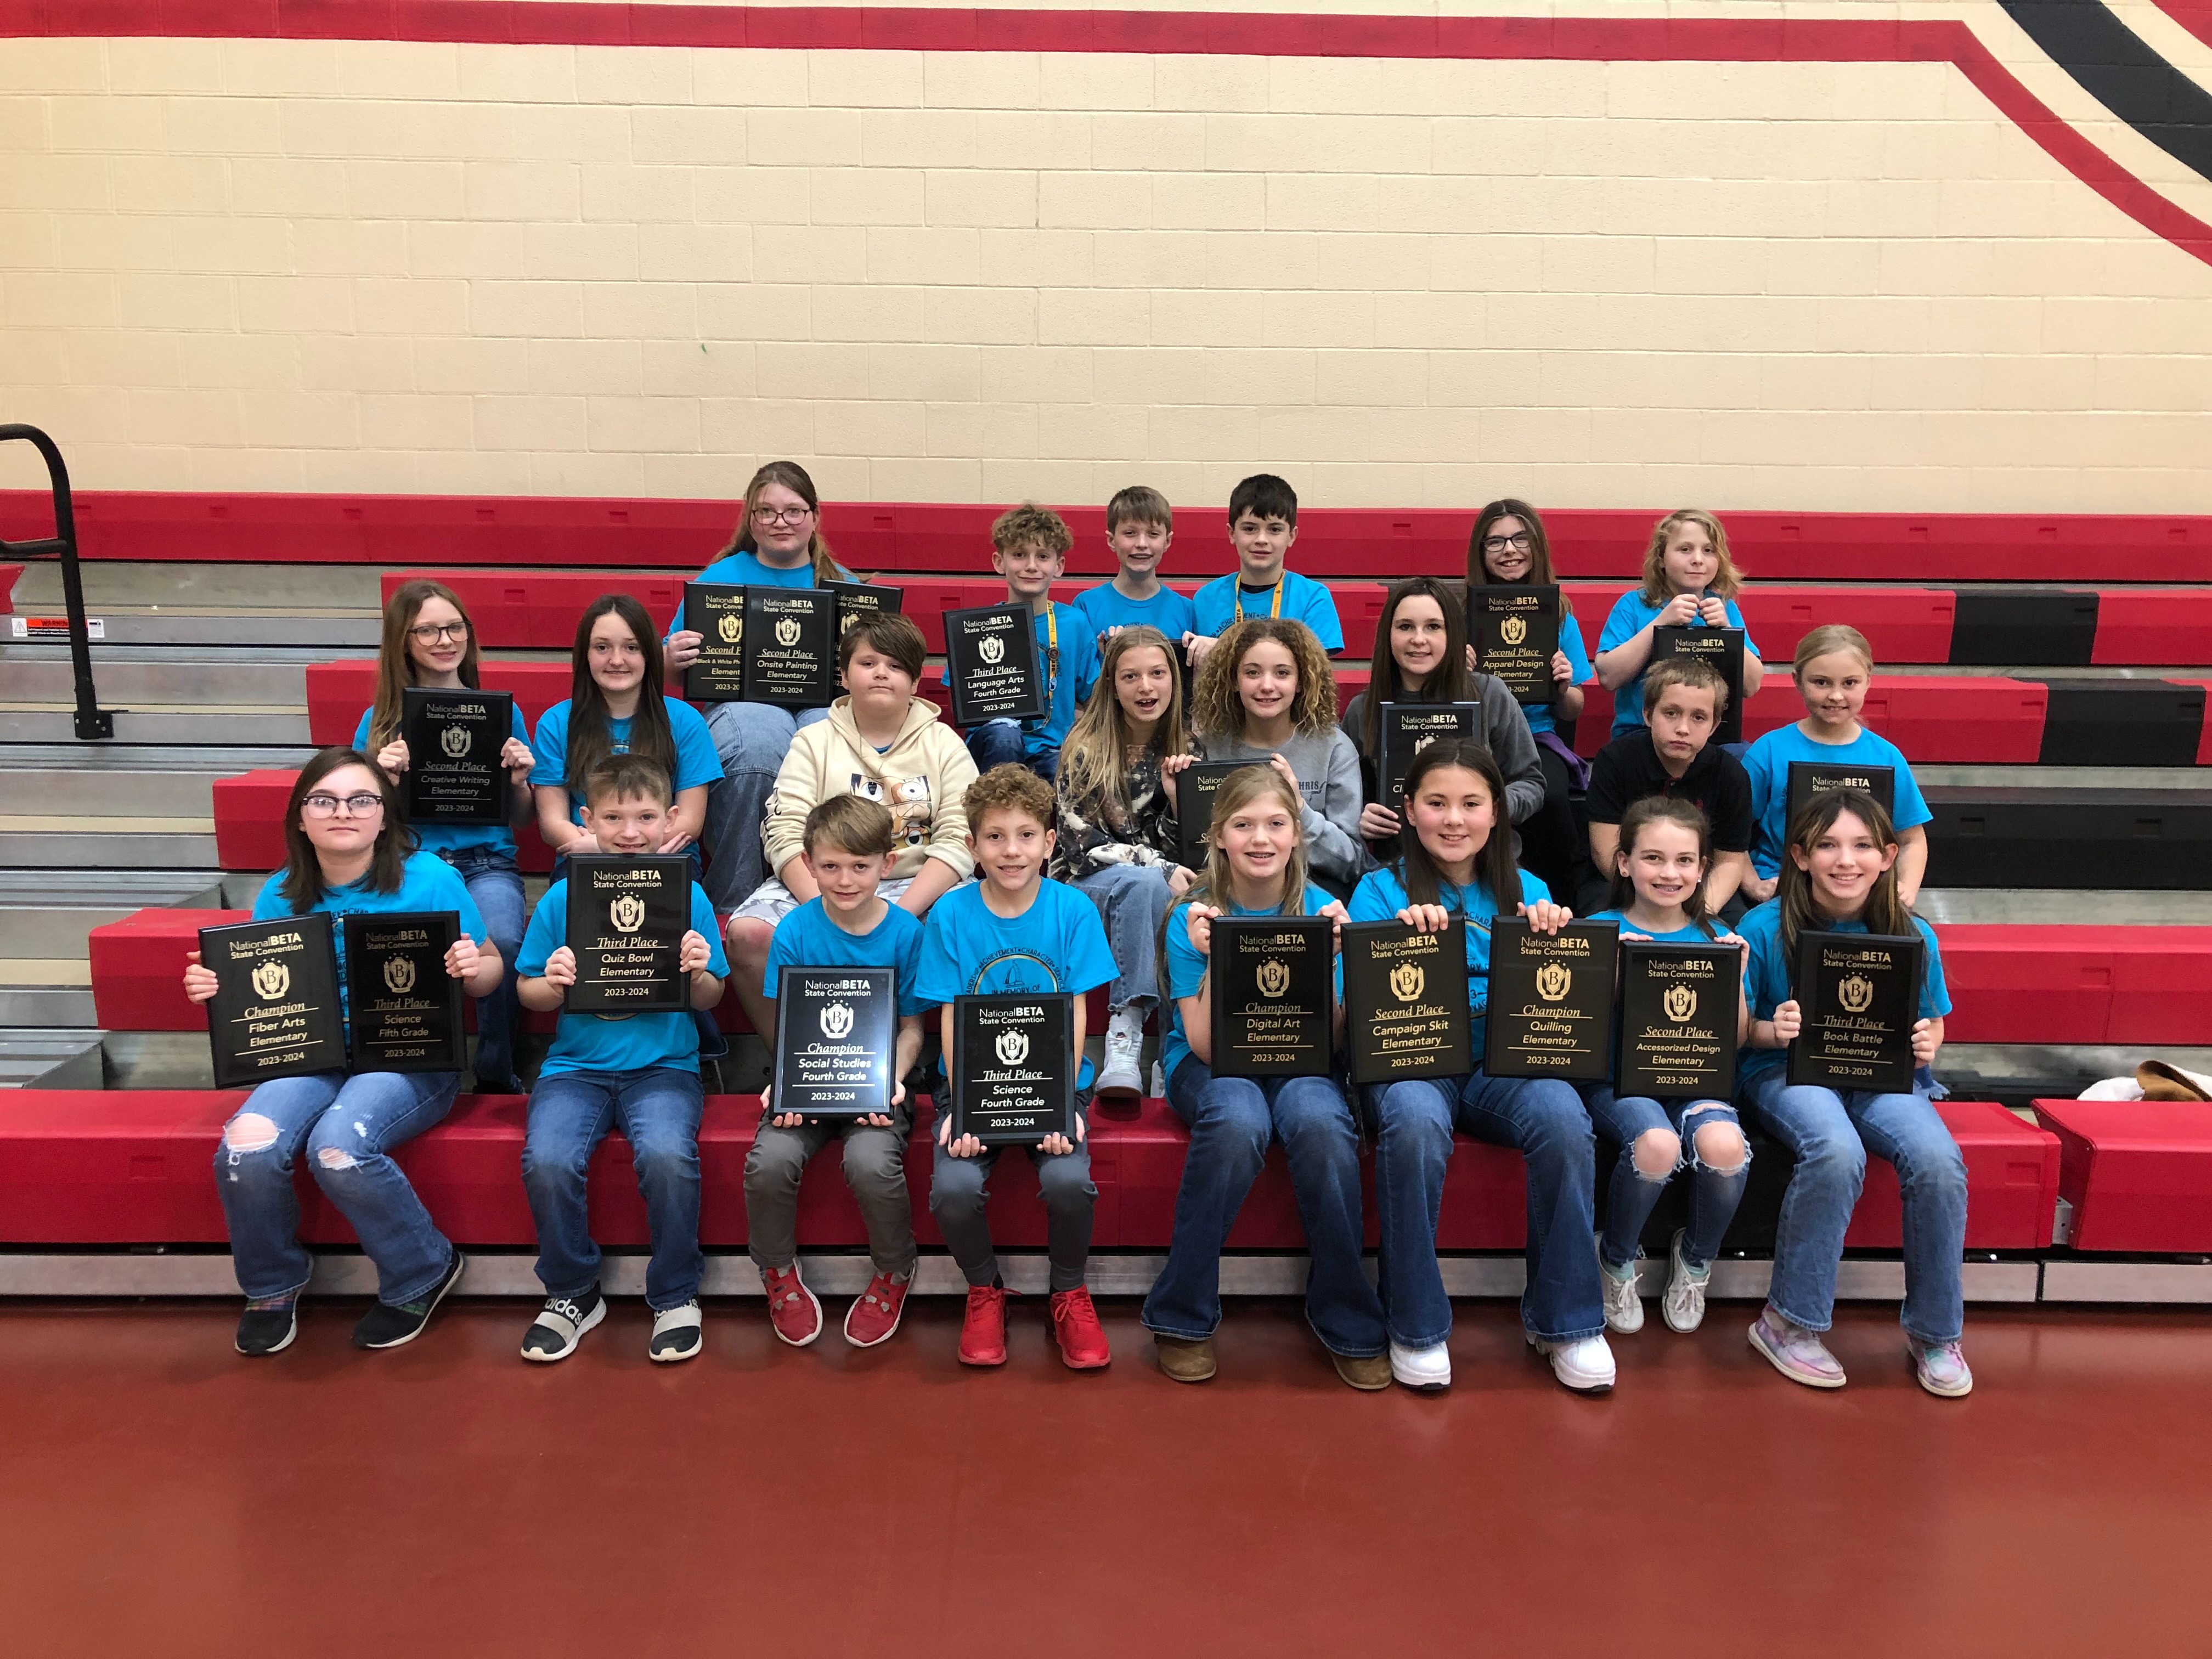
pixel 2120 71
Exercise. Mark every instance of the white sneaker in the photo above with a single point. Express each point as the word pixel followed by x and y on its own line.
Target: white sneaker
pixel 1120 1079
pixel 1624 1302
pixel 1684 1303
pixel 1160 1089
pixel 1584 1365
pixel 1428 1370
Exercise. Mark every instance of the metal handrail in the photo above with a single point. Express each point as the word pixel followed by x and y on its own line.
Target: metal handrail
pixel 93 722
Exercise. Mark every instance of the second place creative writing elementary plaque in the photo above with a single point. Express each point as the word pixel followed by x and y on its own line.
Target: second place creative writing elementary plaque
pixel 454 739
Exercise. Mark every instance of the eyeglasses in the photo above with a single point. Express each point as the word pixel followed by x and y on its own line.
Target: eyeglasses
pixel 430 633
pixel 359 806
pixel 780 515
pixel 1520 542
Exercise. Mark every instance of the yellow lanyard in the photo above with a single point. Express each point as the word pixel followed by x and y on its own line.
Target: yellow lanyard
pixel 1052 647
pixel 1275 607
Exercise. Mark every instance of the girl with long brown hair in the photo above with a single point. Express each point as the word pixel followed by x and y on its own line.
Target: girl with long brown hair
pixel 1689 580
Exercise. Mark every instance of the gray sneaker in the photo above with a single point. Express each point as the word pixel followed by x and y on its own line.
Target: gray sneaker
pixel 1940 1368
pixel 1683 1305
pixel 1797 1353
pixel 1624 1303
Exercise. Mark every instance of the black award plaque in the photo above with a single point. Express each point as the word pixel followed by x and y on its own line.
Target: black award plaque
pixel 991 663
pixel 715 612
pixel 1810 778
pixel 453 742
pixel 1551 1001
pixel 1196 786
pixel 1273 990
pixel 275 1010
pixel 859 599
pixel 1405 1002
pixel 1858 995
pixel 790 646
pixel 626 919
pixel 1014 1066
pixel 405 1007
pixel 1723 650
pixel 1678 1030
pixel 834 1031
pixel 1410 728
pixel 1515 633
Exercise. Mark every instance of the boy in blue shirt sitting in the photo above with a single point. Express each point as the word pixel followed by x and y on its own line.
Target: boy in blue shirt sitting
pixel 1263 522
pixel 1029 547
pixel 1140 528
pixel 848 849
pixel 1012 930
pixel 638 1070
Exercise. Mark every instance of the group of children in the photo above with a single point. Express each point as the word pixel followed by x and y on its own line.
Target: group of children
pixel 1045 856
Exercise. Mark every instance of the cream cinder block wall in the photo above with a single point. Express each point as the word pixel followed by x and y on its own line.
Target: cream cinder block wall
pixel 256 264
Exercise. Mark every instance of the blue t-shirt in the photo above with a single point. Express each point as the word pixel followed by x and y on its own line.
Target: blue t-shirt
pixel 745 570
pixel 1217 604
pixel 807 938
pixel 1068 677
pixel 1767 983
pixel 1631 613
pixel 616 1043
pixel 1106 607
pixel 1570 642
pixel 427 882
pixel 1380 894
pixel 1768 760
pixel 1058 944
pixel 1692 935
pixel 696 760
pixel 455 837
pixel 1186 967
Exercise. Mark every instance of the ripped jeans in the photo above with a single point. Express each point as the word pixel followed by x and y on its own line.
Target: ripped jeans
pixel 1633 1193
pixel 348 1127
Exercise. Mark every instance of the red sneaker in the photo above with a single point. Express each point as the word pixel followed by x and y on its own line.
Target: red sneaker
pixel 792 1308
pixel 1075 1326
pixel 876 1314
pixel 983 1331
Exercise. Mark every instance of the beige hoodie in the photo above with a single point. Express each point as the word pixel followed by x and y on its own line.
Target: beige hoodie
pixel 923 779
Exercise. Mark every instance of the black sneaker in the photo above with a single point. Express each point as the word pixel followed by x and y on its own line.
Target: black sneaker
pixel 677 1333
pixel 264 1331
pixel 561 1324
pixel 387 1327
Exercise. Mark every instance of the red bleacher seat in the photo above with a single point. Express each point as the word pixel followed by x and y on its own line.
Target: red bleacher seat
pixel 2012 1182
pixel 338 691
pixel 2137 1172
pixel 9 575
pixel 1936 718
pixel 2085 984
pixel 138 969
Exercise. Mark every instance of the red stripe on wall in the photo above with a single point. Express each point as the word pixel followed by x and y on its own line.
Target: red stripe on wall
pixel 561 22
pixel 2195 15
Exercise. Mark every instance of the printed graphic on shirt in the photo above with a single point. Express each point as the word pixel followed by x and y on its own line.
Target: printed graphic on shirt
pixel 907 801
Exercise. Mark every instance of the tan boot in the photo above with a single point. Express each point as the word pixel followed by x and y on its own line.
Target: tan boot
pixel 1367 1375
pixel 1183 1361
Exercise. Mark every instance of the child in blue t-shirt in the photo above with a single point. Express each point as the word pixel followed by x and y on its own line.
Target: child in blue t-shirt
pixel 1140 528
pixel 848 847
pixel 1012 930
pixel 1833 667
pixel 1458 862
pixel 346 854
pixel 1688 580
pixel 639 1072
pixel 1029 547
pixel 1263 523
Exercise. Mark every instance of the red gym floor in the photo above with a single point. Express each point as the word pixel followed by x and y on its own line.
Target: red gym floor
pixel 159 1495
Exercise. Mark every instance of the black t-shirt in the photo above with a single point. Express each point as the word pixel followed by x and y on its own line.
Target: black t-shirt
pixel 1629 768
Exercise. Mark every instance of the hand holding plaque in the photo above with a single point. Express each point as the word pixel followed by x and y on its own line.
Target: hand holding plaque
pixel 455 741
pixel 405 1007
pixel 1405 1002
pixel 1272 985
pixel 1858 999
pixel 1678 1019
pixel 1514 630
pixel 1014 1067
pixel 1551 1001
pixel 834 1031
pixel 275 1011
pixel 626 922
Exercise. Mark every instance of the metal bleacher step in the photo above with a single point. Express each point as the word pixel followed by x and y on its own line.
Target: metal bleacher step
pixel 167 676
pixel 75 841
pixel 48 912
pixel 51 1057
pixel 2060 906
pixel 2016 1074
pixel 160 723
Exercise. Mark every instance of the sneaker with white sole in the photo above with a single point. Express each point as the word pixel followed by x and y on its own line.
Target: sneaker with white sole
pixel 1624 1301
pixel 1121 1079
pixel 1584 1364
pixel 388 1325
pixel 1797 1353
pixel 1940 1367
pixel 1426 1370
pixel 1684 1303
pixel 792 1310
pixel 677 1333
pixel 561 1324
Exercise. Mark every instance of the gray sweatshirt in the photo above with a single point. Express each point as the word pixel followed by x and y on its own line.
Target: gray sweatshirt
pixel 1504 732
pixel 1328 769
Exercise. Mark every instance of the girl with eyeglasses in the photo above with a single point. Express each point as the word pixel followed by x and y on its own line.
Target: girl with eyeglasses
pixel 428 643
pixel 346 853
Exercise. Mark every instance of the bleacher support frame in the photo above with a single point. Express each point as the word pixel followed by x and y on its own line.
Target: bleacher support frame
pixel 94 724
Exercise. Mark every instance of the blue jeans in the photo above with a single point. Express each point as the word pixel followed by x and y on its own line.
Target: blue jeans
pixel 348 1125
pixel 570 1113
pixel 752 739
pixel 1133 902
pixel 1541 1116
pixel 1831 1134
pixel 1231 1120
pixel 494 882
pixel 1632 1195
pixel 1000 743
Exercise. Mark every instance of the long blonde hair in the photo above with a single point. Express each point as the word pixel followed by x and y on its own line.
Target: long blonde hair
pixel 1094 759
pixel 793 476
pixel 1217 711
pixel 1217 884
pixel 1727 580
pixel 395 663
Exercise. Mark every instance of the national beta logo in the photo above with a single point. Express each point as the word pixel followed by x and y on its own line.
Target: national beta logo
pixel 627 913
pixel 1407 979
pixel 837 1021
pixel 730 627
pixel 1552 981
pixel 455 741
pixel 1013 1047
pixel 272 980
pixel 1855 993
pixel 1680 1002
pixel 1275 977
pixel 786 631
pixel 991 649
pixel 1512 630
pixel 399 975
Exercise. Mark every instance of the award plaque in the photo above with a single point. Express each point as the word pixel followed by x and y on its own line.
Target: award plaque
pixel 1405 1002
pixel 405 1008
pixel 275 1010
pixel 1515 633
pixel 1274 982
pixel 1859 996
pixel 626 919
pixel 859 599
pixel 991 663
pixel 834 1031
pixel 715 612
pixel 453 742
pixel 1014 1065
pixel 1678 1008
pixel 1196 786
pixel 1811 778
pixel 1551 1001
pixel 790 646
pixel 1410 728
pixel 1720 647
